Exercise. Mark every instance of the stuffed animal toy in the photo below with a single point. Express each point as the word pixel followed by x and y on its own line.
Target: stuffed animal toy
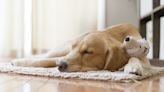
pixel 137 49
pixel 138 63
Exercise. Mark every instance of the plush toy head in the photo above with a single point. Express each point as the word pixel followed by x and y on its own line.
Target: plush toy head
pixel 136 48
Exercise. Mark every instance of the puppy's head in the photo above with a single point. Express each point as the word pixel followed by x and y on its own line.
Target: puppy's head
pixel 87 53
pixel 136 47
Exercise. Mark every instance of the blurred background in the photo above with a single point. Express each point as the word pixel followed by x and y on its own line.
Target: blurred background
pixel 30 27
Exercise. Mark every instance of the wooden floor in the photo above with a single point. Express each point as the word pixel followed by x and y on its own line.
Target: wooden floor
pixel 22 83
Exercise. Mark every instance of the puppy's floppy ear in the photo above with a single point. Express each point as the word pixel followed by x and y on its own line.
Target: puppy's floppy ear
pixel 116 58
pixel 108 57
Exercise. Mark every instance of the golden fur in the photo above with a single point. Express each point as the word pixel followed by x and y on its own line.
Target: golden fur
pixel 96 50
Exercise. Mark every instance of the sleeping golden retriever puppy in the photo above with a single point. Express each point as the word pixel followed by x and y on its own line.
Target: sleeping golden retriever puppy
pixel 98 50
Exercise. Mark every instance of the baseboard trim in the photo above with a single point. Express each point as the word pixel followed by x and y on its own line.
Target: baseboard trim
pixel 157 62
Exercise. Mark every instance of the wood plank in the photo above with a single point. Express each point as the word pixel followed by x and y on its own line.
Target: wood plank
pixel 45 84
pixel 156 36
pixel 156 3
pixel 146 17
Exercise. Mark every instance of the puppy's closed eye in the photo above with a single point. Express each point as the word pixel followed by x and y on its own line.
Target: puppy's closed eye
pixel 87 52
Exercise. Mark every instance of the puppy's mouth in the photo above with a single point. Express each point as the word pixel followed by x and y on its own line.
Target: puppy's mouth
pixel 61 69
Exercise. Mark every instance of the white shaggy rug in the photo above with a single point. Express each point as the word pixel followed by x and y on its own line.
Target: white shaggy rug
pixel 119 76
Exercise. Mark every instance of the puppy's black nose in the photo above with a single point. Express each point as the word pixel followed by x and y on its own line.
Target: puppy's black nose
pixel 127 39
pixel 62 66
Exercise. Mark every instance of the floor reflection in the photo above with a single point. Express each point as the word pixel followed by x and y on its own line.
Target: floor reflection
pixel 17 83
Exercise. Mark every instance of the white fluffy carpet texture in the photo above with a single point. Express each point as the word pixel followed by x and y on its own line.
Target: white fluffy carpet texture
pixel 104 75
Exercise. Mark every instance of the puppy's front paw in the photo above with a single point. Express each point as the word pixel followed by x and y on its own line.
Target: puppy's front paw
pixel 134 67
pixel 133 70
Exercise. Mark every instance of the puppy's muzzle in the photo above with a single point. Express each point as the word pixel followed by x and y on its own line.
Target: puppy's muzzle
pixel 62 66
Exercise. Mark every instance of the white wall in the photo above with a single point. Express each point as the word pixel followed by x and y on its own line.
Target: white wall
pixel 11 27
pixel 146 7
pixel 162 38
pixel 161 2
pixel 122 11
pixel 149 38
pixel 56 21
